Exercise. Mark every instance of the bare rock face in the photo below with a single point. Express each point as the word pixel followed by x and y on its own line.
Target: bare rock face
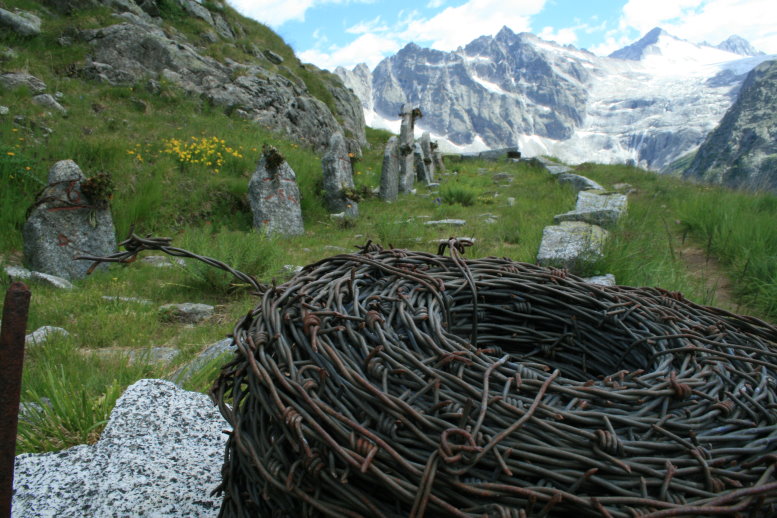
pixel 274 196
pixel 338 178
pixel 742 150
pixel 389 175
pixel 137 48
pixel 67 223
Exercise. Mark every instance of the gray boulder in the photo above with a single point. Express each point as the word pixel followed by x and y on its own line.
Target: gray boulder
pixel 274 196
pixel 21 22
pixel 389 174
pixel 65 224
pixel 14 80
pixel 160 455
pixel 571 244
pixel 597 208
pixel 338 178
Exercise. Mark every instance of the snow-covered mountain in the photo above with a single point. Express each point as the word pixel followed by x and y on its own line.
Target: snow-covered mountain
pixel 651 102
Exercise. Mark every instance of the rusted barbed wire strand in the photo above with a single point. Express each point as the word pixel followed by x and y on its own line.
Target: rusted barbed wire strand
pixel 359 388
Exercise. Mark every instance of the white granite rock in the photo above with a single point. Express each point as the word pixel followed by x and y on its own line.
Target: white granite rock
pixel 571 244
pixel 17 272
pixel 160 455
pixel 601 280
pixel 42 334
pixel 453 222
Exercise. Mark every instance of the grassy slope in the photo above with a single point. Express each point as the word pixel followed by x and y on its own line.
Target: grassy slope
pixel 126 131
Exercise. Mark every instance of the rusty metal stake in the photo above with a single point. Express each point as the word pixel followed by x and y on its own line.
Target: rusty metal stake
pixel 15 310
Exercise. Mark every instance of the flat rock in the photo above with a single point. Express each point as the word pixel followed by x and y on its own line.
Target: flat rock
pixel 17 272
pixel 580 183
pixel 571 244
pixel 597 208
pixel 186 313
pixel 13 80
pixel 160 455
pixel 149 355
pixel 601 280
pixel 43 334
pixel 452 222
pixel 212 352
pixel 113 298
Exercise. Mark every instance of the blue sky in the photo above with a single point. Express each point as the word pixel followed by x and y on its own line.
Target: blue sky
pixel 329 33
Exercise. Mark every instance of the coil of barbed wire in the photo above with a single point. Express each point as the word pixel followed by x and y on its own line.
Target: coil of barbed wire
pixel 394 383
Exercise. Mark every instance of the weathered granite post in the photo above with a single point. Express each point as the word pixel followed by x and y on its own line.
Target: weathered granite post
pixel 421 167
pixel 439 165
pixel 70 218
pixel 389 175
pixel 406 144
pixel 274 196
pixel 338 178
pixel 426 148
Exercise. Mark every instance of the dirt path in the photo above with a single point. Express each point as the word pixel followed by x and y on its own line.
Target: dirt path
pixel 712 275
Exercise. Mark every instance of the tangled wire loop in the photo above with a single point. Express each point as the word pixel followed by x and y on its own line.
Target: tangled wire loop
pixel 397 383
pixel 393 383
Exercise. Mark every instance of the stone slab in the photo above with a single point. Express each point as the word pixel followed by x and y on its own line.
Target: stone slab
pixel 603 209
pixel 571 244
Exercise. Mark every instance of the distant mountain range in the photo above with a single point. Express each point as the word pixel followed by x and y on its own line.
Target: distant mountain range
pixel 652 102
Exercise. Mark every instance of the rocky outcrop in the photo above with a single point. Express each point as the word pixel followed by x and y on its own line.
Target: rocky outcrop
pixel 141 47
pixel 742 150
pixel 66 222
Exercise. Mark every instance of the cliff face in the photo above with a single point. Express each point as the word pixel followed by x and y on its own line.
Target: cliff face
pixel 651 102
pixel 149 42
pixel 742 150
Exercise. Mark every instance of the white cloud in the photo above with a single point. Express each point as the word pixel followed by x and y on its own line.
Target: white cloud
pixel 273 12
pixel 706 20
pixel 367 48
pixel 456 26
pixel 277 12
pixel 363 27
pixel 565 36
pixel 434 4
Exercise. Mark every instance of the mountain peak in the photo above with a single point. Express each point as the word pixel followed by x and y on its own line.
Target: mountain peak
pixel 738 45
pixel 644 46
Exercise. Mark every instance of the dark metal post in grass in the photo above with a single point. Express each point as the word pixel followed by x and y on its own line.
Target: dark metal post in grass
pixel 15 309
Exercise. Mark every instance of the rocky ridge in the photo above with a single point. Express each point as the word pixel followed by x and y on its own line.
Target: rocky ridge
pixel 742 150
pixel 651 103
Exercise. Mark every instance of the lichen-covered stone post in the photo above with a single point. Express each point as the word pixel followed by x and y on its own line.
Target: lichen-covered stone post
pixel 389 175
pixel 338 178
pixel 406 146
pixel 70 218
pixel 426 149
pixel 274 196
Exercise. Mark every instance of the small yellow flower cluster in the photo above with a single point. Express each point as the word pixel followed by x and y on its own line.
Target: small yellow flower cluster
pixel 211 152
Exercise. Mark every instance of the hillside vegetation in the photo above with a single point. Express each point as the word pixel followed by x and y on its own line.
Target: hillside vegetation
pixel 181 168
